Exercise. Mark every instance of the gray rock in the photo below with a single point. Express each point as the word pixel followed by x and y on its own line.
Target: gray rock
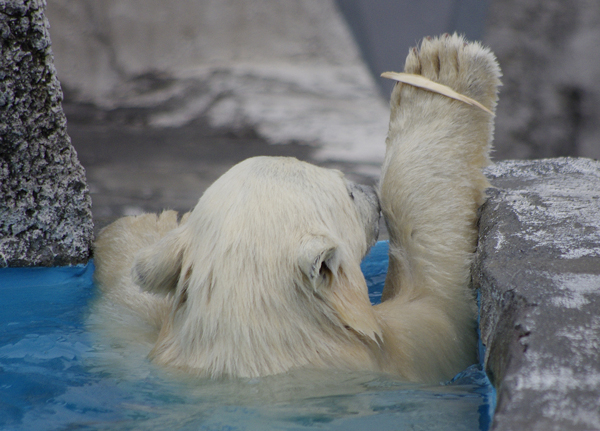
pixel 538 268
pixel 45 208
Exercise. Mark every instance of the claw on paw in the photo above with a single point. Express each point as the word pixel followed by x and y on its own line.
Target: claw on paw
pixel 435 87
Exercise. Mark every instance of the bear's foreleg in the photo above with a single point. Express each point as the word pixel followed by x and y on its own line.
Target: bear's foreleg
pixel 431 187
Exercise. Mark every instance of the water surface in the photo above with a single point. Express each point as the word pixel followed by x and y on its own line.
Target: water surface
pixel 57 372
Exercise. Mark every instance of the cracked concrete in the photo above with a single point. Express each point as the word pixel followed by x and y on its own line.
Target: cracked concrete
pixel 538 268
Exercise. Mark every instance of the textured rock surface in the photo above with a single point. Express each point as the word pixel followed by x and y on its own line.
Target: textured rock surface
pixel 285 71
pixel 550 102
pixel 45 214
pixel 538 267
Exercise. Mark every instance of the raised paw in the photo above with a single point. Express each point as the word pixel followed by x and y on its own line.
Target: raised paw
pixel 466 67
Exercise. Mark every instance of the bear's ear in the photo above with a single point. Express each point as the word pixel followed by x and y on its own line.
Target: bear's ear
pixel 157 268
pixel 319 260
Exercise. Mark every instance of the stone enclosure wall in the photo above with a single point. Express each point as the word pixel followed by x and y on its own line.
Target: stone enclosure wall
pixel 550 100
pixel 538 269
pixel 284 71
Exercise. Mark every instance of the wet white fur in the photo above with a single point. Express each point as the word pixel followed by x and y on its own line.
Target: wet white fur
pixel 263 275
pixel 430 189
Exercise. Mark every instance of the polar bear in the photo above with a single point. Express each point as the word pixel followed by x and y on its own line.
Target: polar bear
pixel 263 276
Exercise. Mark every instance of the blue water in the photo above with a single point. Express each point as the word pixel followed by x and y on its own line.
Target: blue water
pixel 57 373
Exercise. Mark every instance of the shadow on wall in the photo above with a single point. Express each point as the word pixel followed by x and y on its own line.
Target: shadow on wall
pixel 386 29
pixel 548 50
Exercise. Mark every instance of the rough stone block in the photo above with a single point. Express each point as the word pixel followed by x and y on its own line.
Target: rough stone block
pixel 45 208
pixel 538 268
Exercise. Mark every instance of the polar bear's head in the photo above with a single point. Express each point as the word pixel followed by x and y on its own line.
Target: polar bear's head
pixel 265 272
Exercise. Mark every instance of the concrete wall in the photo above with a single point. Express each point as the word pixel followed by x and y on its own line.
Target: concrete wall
pixel 232 63
pixel 538 268
pixel 288 71
pixel 386 29
pixel 550 102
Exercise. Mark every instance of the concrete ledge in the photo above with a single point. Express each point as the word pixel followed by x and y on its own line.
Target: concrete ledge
pixel 538 268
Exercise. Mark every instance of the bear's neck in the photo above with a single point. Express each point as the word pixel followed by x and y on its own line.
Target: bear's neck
pixel 245 336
